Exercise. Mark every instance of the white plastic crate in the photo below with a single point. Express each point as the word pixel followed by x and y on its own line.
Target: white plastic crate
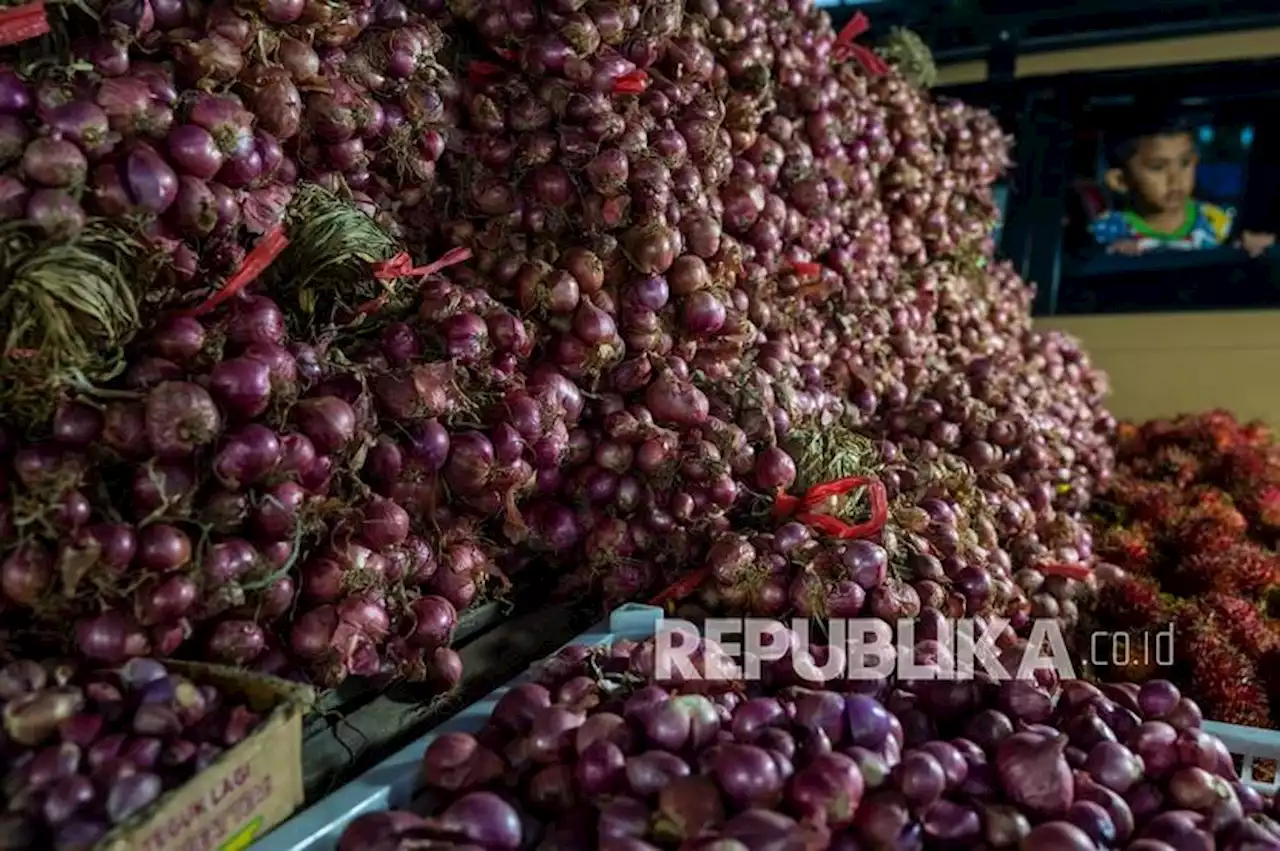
pixel 1250 744
pixel 393 783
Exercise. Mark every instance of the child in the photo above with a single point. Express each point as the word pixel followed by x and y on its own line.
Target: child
pixel 1152 166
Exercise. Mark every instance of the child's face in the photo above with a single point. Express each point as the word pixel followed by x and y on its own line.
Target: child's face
pixel 1161 175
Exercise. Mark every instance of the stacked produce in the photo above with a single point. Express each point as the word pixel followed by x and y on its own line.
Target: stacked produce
pixel 86 750
pixel 215 487
pixel 173 141
pixel 345 94
pixel 939 558
pixel 778 241
pixel 1190 520
pixel 598 755
pixel 260 498
pixel 718 252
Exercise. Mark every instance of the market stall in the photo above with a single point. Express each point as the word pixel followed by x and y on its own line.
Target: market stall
pixel 373 351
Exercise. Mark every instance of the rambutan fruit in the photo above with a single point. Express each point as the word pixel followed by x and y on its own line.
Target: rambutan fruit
pixel 1244 469
pixel 1257 434
pixel 1220 417
pixel 1128 546
pixel 1266 506
pixel 1243 623
pixel 1177 465
pixel 1220 425
pixel 1133 602
pixel 1158 504
pixel 1128 489
pixel 1207 497
pixel 1243 568
pixel 1222 679
pixel 1209 502
pixel 1220 437
pixel 1252 570
pixel 1224 515
pixel 1207 530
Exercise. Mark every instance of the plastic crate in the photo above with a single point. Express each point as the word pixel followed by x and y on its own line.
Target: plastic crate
pixel 393 783
pixel 1250 744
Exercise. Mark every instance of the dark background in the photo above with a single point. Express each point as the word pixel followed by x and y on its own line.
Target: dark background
pixel 966 29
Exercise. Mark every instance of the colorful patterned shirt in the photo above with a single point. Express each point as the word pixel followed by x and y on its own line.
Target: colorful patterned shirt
pixel 1205 226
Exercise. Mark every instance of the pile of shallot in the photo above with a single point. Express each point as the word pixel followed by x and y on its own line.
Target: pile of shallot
pixel 84 751
pixel 596 754
pixel 273 504
pixel 715 248
pixel 731 231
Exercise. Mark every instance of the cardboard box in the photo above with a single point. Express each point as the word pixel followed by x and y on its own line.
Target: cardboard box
pixel 1165 364
pixel 249 790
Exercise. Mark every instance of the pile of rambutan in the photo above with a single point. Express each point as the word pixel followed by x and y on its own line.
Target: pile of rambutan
pixel 1191 519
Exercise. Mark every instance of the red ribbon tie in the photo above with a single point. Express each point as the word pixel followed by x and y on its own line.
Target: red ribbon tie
pixel 19 23
pixel 632 83
pixel 1078 571
pixel 845 46
pixel 255 263
pixel 401 266
pixel 786 505
pixel 682 588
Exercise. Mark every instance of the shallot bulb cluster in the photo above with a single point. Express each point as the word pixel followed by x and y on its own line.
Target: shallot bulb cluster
pixel 87 750
pixel 579 759
pixel 263 502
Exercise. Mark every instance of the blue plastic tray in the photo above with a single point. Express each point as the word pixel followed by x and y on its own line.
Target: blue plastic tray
pixel 393 783
pixel 1249 743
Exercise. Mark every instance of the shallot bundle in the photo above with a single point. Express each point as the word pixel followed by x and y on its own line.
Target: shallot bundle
pixel 720 255
pixel 268 502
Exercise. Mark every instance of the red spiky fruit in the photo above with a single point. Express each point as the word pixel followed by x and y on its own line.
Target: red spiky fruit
pixel 1223 680
pixel 1219 431
pixel 1133 602
pixel 1257 434
pixel 1243 624
pixel 1209 502
pixel 1128 546
pixel 1158 505
pixel 1243 568
pixel 1244 469
pixel 1206 534
pixel 1266 506
pixel 1216 509
pixel 1177 465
